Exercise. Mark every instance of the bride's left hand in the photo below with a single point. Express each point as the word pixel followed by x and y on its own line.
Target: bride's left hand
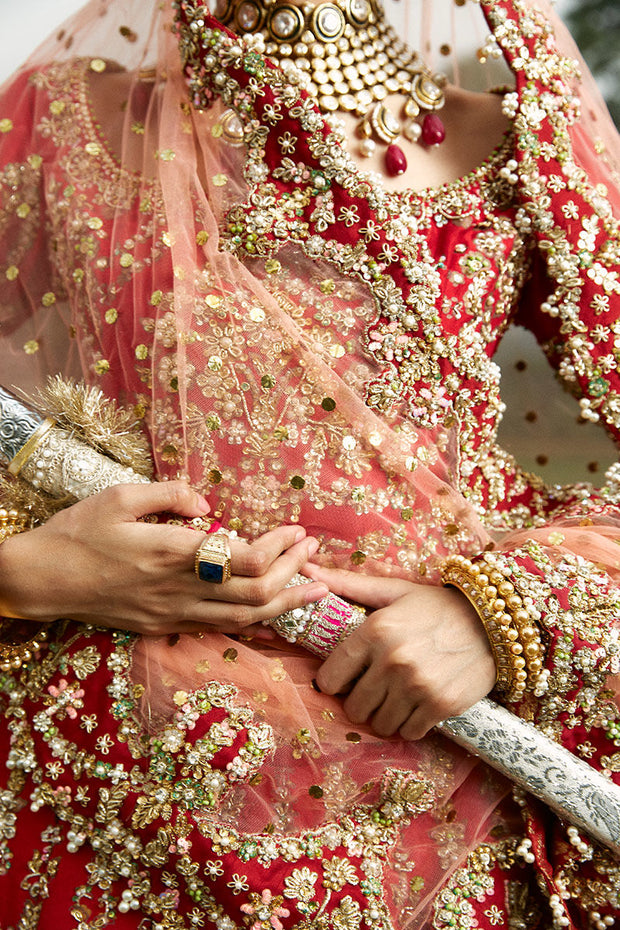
pixel 422 654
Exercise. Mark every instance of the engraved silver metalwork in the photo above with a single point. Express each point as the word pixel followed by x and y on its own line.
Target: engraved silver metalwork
pixel 570 787
pixel 58 463
pixel 62 464
pixel 17 425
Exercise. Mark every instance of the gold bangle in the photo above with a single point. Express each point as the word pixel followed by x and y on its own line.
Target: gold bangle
pixel 524 615
pixel 509 621
pixel 29 448
pixel 495 622
pixel 14 654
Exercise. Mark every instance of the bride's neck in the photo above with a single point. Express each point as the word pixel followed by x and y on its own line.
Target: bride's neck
pixel 356 66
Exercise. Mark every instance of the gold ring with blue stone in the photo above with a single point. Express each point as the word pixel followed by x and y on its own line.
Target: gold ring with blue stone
pixel 213 559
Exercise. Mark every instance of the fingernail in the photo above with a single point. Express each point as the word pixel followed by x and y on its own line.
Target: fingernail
pixel 315 593
pixel 203 506
pixel 299 535
pixel 313 545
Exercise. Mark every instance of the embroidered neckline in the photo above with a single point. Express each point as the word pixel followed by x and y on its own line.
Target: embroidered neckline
pixel 410 196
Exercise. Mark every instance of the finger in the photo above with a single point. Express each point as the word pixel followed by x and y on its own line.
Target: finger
pixel 260 591
pixel 368 695
pixel 235 617
pixel 253 559
pixel 418 724
pixel 393 714
pixel 132 501
pixel 364 589
pixel 259 631
pixel 344 665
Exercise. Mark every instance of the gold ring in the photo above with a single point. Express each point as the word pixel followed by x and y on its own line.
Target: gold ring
pixel 212 562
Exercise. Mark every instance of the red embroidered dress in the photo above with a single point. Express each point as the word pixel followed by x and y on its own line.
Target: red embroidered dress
pixel 307 347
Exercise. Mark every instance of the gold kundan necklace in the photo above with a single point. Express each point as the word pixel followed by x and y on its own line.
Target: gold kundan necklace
pixel 354 61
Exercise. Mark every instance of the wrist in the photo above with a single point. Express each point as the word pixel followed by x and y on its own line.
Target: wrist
pixel 508 619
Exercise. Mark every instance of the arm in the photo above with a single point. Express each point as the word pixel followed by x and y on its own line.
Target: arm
pixel 96 563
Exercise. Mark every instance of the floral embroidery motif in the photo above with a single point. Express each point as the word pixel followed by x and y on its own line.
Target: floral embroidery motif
pixel 174 781
pixel 412 334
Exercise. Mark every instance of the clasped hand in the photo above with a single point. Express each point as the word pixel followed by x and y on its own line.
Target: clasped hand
pixel 422 654
pixel 94 562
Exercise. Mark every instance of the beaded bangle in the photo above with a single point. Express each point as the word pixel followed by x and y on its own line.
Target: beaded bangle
pixel 319 626
pixel 14 654
pixel 525 618
pixel 508 619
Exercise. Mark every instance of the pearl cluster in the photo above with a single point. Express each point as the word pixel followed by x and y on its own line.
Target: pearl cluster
pixel 509 621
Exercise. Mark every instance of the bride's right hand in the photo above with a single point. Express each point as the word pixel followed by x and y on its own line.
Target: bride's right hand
pixel 94 562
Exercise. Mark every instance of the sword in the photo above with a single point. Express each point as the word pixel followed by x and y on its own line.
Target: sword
pixel 56 461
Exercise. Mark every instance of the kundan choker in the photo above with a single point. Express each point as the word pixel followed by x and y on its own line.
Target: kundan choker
pixel 354 61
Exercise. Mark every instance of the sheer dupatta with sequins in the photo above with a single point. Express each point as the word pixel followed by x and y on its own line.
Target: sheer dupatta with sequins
pixel 118 210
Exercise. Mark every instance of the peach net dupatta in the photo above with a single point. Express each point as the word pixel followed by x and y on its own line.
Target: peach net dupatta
pixel 199 180
pixel 314 742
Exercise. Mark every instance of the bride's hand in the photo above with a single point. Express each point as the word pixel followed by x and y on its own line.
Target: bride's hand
pixel 422 655
pixel 95 563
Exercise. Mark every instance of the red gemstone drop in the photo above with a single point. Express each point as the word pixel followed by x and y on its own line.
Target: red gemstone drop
pixel 395 160
pixel 433 130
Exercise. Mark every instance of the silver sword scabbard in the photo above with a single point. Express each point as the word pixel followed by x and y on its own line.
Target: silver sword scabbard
pixel 54 460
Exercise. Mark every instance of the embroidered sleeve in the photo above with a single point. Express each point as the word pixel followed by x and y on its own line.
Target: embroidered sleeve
pixel 568 569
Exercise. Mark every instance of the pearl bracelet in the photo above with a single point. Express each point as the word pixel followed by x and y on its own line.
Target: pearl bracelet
pixel 319 626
